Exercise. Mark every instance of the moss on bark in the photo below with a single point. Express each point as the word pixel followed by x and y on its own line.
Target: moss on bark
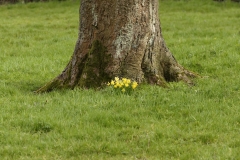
pixel 94 74
pixel 54 84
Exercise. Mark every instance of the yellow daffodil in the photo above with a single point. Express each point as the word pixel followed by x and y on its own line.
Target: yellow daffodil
pixel 123 85
pixel 116 79
pixel 117 84
pixel 112 82
pixel 134 85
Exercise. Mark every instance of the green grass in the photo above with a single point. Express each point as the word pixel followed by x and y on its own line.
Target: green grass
pixel 181 122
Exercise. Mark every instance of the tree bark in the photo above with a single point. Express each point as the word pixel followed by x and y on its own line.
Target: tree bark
pixel 119 38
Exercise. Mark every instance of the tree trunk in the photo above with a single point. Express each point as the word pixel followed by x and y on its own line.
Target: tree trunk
pixel 119 38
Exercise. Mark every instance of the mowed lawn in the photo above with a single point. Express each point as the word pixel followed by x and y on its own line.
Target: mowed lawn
pixel 178 122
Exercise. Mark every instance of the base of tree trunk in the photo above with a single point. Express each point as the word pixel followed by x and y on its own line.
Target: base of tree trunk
pixel 173 72
pixel 186 77
pixel 178 74
pixel 121 39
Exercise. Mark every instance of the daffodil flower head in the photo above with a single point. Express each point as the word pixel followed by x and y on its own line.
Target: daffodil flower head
pixel 123 85
pixel 134 85
pixel 124 80
pixel 112 82
pixel 116 79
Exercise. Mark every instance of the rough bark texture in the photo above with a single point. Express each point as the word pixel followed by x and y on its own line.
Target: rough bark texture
pixel 119 38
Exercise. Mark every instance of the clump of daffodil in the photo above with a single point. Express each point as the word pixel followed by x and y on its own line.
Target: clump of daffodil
pixel 123 85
